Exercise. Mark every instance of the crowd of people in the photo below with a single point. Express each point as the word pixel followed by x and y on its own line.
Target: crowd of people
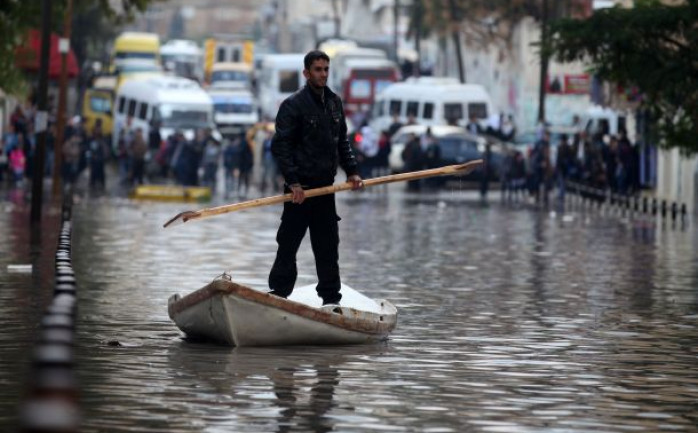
pixel 599 160
pixel 139 156
pixel 602 161
pixel 79 150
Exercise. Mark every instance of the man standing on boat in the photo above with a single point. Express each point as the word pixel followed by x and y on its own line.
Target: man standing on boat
pixel 310 141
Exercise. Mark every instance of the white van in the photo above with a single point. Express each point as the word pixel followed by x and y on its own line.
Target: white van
pixel 177 103
pixel 338 64
pixel 184 57
pixel 233 110
pixel 279 77
pixel 231 75
pixel 432 101
pixel 604 121
pixel 363 79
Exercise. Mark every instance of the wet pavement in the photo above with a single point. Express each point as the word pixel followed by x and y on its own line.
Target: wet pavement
pixel 511 319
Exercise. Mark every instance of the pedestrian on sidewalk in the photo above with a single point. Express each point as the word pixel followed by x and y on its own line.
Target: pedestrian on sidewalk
pixel 99 151
pixel 139 150
pixel 244 168
pixel 18 162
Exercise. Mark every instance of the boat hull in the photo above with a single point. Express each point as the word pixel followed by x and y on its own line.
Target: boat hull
pixel 237 315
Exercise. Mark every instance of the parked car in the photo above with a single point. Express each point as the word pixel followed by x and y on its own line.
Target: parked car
pixel 525 141
pixel 456 144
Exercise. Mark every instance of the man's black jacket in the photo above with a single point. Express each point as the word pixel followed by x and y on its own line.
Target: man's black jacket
pixel 311 139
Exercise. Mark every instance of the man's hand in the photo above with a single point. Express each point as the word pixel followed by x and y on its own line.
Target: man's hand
pixel 298 193
pixel 356 182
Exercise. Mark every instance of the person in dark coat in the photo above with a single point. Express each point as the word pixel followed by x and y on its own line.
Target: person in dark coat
pixel 310 142
pixel 413 157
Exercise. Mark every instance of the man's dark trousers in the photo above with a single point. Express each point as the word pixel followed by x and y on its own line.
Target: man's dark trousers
pixel 318 214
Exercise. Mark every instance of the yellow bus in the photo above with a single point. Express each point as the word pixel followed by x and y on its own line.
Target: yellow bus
pixel 136 45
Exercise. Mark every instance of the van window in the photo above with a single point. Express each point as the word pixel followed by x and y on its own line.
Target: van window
pixel 132 107
pixel 604 126
pixel 477 109
pixel 122 104
pixel 288 81
pixel 453 111
pixel 395 107
pixel 143 111
pixel 428 110
pixel 412 108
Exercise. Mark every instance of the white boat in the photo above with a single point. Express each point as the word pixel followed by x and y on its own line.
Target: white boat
pixel 230 313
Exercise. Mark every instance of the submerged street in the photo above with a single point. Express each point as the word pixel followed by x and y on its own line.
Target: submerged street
pixel 510 318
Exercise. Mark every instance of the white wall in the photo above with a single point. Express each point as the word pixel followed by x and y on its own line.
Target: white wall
pixel 511 75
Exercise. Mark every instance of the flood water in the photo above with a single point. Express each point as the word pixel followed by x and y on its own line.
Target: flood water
pixel 511 319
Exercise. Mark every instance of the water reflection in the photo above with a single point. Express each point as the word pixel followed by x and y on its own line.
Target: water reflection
pixel 296 385
pixel 511 319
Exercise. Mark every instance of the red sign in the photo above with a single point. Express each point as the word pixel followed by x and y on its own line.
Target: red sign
pixel 579 84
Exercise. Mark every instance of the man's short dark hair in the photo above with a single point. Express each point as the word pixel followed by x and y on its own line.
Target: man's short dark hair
pixel 313 56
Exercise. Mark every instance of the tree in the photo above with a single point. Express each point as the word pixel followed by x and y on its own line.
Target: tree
pixel 653 47
pixel 483 23
pixel 18 16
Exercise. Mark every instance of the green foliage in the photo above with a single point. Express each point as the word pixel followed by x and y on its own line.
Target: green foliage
pixel 18 16
pixel 652 47
pixel 483 21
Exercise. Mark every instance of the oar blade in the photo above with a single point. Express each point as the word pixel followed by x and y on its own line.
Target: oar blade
pixel 468 167
pixel 181 218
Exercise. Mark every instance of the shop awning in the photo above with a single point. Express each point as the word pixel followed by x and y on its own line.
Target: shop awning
pixel 27 56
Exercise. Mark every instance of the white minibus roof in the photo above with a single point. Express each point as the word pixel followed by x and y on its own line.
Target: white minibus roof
pixel 165 89
pixel 287 61
pixel 370 62
pixel 180 46
pixel 444 91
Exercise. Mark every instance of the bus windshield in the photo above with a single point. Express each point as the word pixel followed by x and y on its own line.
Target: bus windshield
pixel 232 107
pixel 182 116
pixel 229 76
pixel 134 55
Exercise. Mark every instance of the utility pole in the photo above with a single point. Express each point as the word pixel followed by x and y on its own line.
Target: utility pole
pixel 396 16
pixel 543 61
pixel 455 34
pixel 418 14
pixel 64 48
pixel 41 118
pixel 337 19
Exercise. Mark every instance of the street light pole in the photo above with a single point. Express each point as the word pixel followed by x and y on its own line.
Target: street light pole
pixel 41 118
pixel 455 34
pixel 543 62
pixel 396 16
pixel 64 48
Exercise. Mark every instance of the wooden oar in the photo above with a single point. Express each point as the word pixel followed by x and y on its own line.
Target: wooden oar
pixel 458 169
